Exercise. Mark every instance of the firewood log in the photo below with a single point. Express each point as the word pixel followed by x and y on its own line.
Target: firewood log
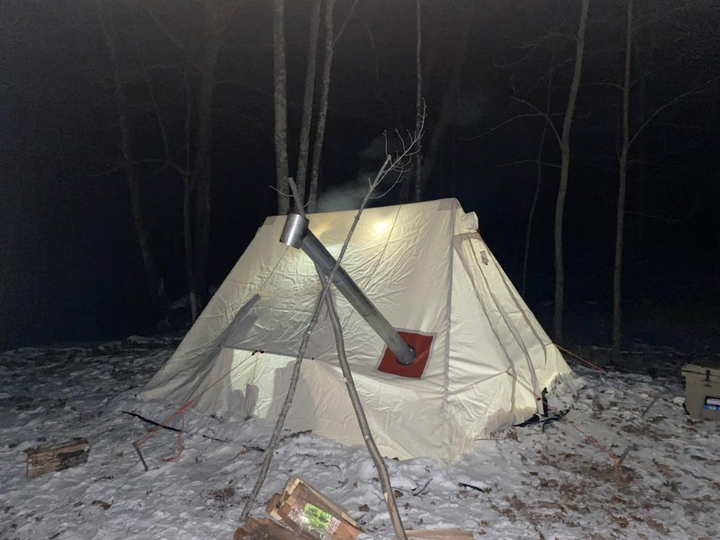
pixel 47 459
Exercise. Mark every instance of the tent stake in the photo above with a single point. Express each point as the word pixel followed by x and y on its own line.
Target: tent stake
pixel 136 446
pixel 632 446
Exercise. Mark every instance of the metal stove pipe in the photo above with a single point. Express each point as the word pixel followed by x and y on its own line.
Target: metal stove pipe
pixel 297 234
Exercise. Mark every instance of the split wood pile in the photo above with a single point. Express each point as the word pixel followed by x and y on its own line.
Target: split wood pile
pixel 302 512
pixel 305 510
pixel 47 459
pixel 263 529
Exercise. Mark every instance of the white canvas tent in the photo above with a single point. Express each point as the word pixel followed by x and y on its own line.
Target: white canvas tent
pixel 428 271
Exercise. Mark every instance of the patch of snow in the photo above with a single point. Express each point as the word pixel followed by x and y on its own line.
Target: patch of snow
pixel 527 483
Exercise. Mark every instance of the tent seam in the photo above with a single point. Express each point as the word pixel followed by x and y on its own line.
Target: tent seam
pixel 495 329
pixel 506 320
pixel 527 320
pixel 446 398
pixel 369 280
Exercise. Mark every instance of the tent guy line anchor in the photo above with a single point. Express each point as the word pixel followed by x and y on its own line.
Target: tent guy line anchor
pixel 136 446
pixel 179 412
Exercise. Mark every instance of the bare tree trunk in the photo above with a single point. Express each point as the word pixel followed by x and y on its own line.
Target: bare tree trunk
pixel 717 262
pixel 188 193
pixel 123 110
pixel 188 197
pixel 642 169
pixel 11 210
pixel 409 183
pixel 620 224
pixel 642 151
pixel 538 184
pixel 419 109
pixel 196 174
pixel 201 180
pixel 280 97
pixel 324 100
pixel 533 207
pixel 448 107
pixel 565 173
pixel 309 98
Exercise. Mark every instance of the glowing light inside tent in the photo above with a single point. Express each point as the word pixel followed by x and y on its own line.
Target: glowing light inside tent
pixel 381 226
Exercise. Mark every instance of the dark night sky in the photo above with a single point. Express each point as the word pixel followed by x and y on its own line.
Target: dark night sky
pixel 71 269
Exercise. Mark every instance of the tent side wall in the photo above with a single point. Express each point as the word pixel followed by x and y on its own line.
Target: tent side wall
pixel 205 338
pixel 500 357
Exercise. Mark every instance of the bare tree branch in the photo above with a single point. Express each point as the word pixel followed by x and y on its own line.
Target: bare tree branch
pixel 309 98
pixel 365 430
pixel 172 37
pixel 324 99
pixel 508 121
pixel 665 16
pixel 348 17
pixel 533 161
pixel 389 165
pixel 153 100
pixel 699 88
pixel 545 115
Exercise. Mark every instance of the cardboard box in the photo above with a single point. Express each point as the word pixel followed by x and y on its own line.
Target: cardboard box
pixel 702 391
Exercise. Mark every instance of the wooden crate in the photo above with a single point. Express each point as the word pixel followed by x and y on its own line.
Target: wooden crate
pixel 263 529
pixel 47 459
pixel 310 514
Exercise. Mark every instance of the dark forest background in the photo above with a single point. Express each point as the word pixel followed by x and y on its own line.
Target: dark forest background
pixel 71 264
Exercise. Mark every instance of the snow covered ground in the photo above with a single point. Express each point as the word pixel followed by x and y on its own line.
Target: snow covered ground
pixel 523 484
